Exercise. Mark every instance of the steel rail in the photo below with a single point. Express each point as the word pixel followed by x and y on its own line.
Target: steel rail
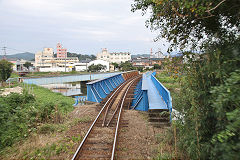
pixel 114 113
pixel 118 121
pixel 119 103
pixel 107 109
pixel 85 137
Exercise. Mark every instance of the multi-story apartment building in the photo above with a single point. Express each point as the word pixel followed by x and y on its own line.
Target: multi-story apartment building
pixel 61 52
pixel 46 59
pixel 113 57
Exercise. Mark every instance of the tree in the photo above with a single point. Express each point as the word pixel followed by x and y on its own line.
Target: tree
pixel 189 22
pixel 5 70
pixel 81 56
pixel 27 65
pixel 140 69
pixel 208 98
pixel 116 65
pixel 96 68
pixel 126 66
pixel 157 66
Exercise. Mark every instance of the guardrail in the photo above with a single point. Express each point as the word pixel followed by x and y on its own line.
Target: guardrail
pixel 163 91
pixel 99 89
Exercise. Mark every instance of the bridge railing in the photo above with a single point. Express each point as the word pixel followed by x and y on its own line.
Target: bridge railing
pixel 99 89
pixel 66 78
pixel 164 92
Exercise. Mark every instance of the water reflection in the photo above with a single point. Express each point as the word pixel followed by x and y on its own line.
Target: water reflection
pixel 69 88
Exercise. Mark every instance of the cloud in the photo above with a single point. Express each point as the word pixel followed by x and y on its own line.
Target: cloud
pixel 90 22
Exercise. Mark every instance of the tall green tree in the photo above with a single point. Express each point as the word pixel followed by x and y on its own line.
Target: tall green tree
pixel 126 66
pixel 27 65
pixel 188 23
pixel 116 65
pixel 5 70
pixel 210 87
pixel 96 68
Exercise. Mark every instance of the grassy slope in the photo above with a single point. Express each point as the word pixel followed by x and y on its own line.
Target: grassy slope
pixel 44 95
pixel 47 110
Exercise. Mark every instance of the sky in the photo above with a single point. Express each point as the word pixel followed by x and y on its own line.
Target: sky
pixel 81 26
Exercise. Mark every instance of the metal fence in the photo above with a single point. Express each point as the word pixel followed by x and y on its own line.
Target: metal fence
pixel 164 92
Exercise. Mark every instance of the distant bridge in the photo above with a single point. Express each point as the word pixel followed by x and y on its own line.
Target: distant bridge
pixel 67 78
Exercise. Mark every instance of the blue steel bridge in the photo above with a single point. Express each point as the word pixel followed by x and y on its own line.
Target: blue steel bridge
pixel 148 95
pixel 115 92
pixel 128 90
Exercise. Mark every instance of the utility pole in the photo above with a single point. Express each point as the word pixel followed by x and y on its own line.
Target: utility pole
pixel 4 53
pixel 65 62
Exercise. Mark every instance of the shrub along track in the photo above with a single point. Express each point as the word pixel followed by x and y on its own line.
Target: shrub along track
pixel 101 138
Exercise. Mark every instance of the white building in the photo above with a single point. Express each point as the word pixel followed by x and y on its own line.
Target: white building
pixel 82 66
pixel 46 62
pixel 102 62
pixel 44 59
pixel 114 57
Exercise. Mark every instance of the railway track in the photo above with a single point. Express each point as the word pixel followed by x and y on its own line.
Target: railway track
pixel 101 138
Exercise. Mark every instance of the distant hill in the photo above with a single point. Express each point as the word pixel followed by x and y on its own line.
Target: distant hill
pixel 26 56
pixel 140 55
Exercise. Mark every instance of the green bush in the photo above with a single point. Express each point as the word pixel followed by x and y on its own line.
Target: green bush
pixel 209 101
pixel 21 113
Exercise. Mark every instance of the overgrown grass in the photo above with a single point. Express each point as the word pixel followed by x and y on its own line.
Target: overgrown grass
pixel 14 75
pixel 44 96
pixel 21 114
pixel 168 81
pixel 171 83
pixel 84 119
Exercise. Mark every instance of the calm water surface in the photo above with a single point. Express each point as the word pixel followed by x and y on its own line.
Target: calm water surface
pixel 69 88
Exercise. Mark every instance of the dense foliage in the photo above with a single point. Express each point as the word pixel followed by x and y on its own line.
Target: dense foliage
pixel 82 56
pixel 190 22
pixel 126 66
pixel 5 70
pixel 209 95
pixel 209 101
pixel 21 114
pixel 27 64
pixel 96 68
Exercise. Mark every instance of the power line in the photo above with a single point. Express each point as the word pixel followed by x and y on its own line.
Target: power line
pixel 16 49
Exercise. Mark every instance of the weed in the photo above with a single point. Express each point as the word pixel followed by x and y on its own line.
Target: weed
pixel 164 156
pixel 84 119
pixel 20 114
pixel 47 128
pixel 77 138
